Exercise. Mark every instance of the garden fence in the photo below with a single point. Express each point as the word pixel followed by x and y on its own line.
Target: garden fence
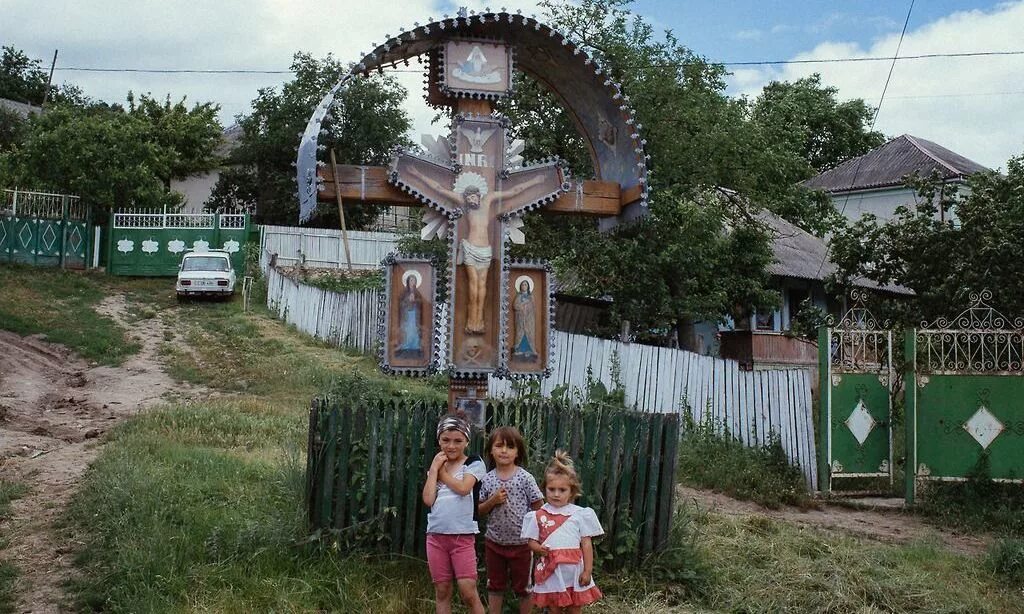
pixel 366 467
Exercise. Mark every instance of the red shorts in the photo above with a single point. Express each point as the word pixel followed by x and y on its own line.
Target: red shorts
pixel 507 563
pixel 451 557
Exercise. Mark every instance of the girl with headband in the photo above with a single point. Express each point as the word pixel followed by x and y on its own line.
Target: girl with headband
pixel 451 528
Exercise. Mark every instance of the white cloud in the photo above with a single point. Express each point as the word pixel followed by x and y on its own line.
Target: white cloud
pixel 226 34
pixel 970 105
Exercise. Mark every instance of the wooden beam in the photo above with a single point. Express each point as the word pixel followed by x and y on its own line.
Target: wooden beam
pixel 368 184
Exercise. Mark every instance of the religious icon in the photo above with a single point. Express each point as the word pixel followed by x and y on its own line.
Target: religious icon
pixel 475 67
pixel 475 411
pixel 524 336
pixel 409 315
pixel 527 326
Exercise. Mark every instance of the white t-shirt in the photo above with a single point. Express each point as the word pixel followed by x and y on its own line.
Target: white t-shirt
pixel 452 514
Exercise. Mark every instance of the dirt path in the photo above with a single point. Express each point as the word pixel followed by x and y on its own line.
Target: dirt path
pixel 885 526
pixel 54 407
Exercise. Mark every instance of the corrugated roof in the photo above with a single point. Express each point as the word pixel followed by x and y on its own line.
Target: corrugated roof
pixel 888 164
pixel 801 255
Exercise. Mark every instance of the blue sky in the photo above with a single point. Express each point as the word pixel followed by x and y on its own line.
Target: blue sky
pixel 971 105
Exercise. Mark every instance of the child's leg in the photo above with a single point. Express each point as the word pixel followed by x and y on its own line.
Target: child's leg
pixel 494 602
pixel 443 597
pixel 467 590
pixel 526 603
pixel 497 576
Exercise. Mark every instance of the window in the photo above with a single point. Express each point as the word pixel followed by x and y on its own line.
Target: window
pixel 206 263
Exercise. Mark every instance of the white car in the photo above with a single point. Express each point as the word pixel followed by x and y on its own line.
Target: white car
pixel 205 273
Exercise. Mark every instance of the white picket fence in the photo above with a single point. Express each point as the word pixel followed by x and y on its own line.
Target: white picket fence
pixel 324 248
pixel 346 319
pixel 751 404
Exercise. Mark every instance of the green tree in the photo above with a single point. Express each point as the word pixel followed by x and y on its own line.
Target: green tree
pixel 944 246
pixel 807 118
pixel 369 121
pixel 106 157
pixel 187 139
pixel 23 79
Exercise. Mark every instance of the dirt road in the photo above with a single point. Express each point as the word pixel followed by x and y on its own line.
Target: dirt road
pixel 54 409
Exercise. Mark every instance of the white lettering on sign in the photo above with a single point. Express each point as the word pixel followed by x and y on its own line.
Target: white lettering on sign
pixel 471 159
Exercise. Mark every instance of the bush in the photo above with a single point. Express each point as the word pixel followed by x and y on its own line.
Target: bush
pixel 711 457
pixel 1006 558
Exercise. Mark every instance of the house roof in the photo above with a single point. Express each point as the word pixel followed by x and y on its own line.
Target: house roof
pixel 801 255
pixel 21 108
pixel 888 164
pixel 229 140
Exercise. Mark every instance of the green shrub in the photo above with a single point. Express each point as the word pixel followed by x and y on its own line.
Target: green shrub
pixel 1006 558
pixel 976 504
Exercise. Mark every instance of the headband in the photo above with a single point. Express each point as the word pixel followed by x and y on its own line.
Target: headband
pixel 453 423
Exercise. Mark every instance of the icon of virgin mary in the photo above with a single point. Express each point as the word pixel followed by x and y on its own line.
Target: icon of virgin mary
pixel 524 344
pixel 410 314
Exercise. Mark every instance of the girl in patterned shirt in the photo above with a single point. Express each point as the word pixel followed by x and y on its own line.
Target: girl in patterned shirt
pixel 507 492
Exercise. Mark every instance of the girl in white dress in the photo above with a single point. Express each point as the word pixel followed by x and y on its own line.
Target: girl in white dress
pixel 560 535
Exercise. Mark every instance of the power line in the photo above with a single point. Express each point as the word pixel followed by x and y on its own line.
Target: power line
pixel 242 71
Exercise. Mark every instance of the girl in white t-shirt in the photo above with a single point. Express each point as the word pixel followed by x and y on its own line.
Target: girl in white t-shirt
pixel 451 529
pixel 560 534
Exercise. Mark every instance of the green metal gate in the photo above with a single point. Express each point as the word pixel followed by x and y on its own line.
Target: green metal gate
pixel 855 362
pixel 965 397
pixel 151 244
pixel 44 229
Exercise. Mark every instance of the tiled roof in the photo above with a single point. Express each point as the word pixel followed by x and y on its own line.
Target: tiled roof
pixel 888 164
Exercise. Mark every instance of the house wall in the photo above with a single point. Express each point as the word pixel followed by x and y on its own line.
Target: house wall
pixel 881 203
pixel 196 189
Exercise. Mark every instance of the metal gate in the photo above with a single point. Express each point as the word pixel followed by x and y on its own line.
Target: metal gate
pixel 151 244
pixel 965 397
pixel 44 229
pixel 855 359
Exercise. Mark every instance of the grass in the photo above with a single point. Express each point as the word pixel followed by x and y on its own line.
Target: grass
pixel 976 505
pixel 762 474
pixel 763 565
pixel 61 305
pixel 9 491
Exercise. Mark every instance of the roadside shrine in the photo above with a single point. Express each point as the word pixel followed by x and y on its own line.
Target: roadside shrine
pixel 477 189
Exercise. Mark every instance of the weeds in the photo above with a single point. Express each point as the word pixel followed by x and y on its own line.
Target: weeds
pixel 1006 558
pixel 710 457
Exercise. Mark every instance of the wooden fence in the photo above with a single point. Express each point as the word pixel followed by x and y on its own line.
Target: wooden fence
pixel 323 247
pixel 344 319
pixel 752 405
pixel 365 469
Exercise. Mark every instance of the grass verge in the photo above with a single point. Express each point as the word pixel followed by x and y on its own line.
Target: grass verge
pixel 762 474
pixel 61 305
pixel 9 491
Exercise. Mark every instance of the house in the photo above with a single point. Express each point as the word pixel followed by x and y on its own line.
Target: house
pixel 874 182
pixel 196 188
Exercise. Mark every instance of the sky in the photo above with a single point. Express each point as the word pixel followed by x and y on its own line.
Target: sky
pixel 971 105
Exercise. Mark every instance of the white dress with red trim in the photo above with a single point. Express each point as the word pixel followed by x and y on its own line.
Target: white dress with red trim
pixel 556 575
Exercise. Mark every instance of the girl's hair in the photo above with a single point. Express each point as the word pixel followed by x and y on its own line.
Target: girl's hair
pixel 510 436
pixel 562 466
pixel 454 422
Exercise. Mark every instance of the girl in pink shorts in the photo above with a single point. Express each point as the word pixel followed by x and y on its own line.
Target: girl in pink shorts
pixel 451 529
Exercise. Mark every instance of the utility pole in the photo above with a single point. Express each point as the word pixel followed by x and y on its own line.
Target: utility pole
pixel 49 80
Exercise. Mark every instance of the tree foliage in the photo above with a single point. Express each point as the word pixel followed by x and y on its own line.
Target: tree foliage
pixel 23 79
pixel 187 139
pixel 369 120
pixel 701 254
pixel 945 246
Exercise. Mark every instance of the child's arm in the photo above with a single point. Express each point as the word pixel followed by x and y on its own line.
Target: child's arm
pixel 587 545
pixel 537 547
pixel 460 487
pixel 536 505
pixel 430 487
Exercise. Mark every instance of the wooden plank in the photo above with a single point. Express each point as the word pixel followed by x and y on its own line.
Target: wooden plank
pixel 643 454
pixel 651 484
pixel 611 489
pixel 312 455
pixel 369 184
pixel 342 485
pixel 666 489
pixel 373 417
pixel 396 494
pixel 624 511
pixel 327 474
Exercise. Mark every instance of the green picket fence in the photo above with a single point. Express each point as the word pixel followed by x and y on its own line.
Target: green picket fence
pixel 366 466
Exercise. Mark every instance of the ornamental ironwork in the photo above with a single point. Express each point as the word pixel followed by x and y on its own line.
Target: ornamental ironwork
pixel 979 340
pixel 858 341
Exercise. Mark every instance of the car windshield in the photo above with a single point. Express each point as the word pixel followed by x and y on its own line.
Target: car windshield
pixel 205 263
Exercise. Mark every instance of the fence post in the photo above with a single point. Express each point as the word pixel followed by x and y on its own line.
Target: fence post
pixel 824 397
pixel 110 244
pixel 910 412
pixel 63 230
pixel 15 202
